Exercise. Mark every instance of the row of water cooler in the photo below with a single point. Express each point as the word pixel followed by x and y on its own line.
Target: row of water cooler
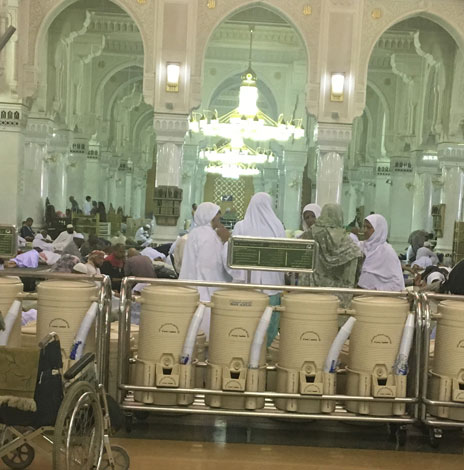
pixel 372 346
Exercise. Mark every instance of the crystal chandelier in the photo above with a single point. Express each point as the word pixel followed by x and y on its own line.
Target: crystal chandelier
pixel 246 121
pixel 237 152
pixel 235 159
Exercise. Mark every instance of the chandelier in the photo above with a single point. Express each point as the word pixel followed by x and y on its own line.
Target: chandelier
pixel 246 121
pixel 235 159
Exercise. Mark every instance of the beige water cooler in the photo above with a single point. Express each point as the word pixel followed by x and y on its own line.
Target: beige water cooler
pixel 61 307
pixel 446 379
pixel 10 287
pixel 308 326
pixel 374 346
pixel 164 321
pixel 235 315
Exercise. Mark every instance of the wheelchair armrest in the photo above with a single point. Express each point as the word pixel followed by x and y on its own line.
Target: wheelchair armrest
pixel 79 366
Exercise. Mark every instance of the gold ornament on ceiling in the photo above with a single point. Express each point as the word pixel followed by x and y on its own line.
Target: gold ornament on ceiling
pixel 211 4
pixel 307 10
pixel 141 2
pixel 376 13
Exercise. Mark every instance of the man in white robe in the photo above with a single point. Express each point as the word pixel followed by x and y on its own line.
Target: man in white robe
pixel 143 235
pixel 64 238
pixel 43 241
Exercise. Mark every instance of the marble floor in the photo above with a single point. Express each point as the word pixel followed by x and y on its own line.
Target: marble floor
pixel 217 443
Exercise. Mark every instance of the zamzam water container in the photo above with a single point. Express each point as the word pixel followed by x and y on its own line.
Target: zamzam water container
pixel 164 320
pixel 374 346
pixel 10 287
pixel 446 379
pixel 61 307
pixel 308 326
pixel 235 315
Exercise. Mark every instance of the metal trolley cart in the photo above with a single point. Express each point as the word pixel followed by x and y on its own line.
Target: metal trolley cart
pixel 76 423
pixel 435 424
pixel 397 423
pixel 103 324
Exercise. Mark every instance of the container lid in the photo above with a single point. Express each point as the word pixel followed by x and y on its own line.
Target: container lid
pixel 163 294
pixel 303 297
pixel 379 301
pixel 453 304
pixel 10 280
pixel 61 284
pixel 239 294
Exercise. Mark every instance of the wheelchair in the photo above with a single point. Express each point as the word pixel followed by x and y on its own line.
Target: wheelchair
pixel 70 411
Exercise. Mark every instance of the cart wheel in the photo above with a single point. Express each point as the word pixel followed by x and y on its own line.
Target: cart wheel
pixel 20 458
pixel 78 435
pixel 435 435
pixel 121 459
pixel 129 422
pixel 141 415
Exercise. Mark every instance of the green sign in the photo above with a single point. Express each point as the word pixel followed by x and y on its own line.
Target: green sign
pixel 271 254
pixel 8 241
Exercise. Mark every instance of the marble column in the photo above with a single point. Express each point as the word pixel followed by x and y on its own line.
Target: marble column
pixel 58 153
pixel 189 183
pixel 451 158
pixel 368 188
pixel 424 171
pixel 12 133
pixel 401 198
pixel 76 168
pixel 112 182
pixel 170 134
pixel 200 181
pixel 294 164
pixel 329 178
pixel 348 201
pixel 383 185
pixel 333 140
pixel 34 187
pixel 128 193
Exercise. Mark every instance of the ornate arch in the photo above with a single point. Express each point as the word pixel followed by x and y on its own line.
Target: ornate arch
pixel 33 30
pixel 208 23
pixel 449 16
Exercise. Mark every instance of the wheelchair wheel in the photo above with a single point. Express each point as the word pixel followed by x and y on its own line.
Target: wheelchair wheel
pixel 20 458
pixel 121 459
pixel 78 435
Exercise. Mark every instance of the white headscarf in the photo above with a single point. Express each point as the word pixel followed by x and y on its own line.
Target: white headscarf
pixel 202 258
pixel 205 213
pixel 381 269
pixel 315 209
pixel 260 221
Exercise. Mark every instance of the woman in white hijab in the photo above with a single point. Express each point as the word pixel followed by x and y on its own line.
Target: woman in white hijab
pixel 261 221
pixel 381 269
pixel 310 214
pixel 202 258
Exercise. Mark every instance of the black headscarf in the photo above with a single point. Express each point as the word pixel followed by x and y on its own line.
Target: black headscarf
pixel 455 282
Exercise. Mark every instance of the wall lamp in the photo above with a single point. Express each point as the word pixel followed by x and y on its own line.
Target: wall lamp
pixel 172 76
pixel 337 86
